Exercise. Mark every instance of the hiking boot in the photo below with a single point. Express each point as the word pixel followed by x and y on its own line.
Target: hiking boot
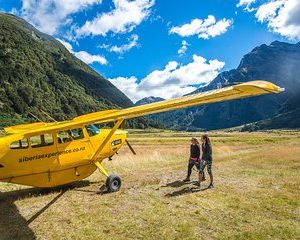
pixel 187 180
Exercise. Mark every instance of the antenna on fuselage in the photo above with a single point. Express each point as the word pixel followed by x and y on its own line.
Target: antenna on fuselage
pixel 35 117
pixel 48 115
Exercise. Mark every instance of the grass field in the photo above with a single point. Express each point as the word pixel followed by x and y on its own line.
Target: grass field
pixel 256 194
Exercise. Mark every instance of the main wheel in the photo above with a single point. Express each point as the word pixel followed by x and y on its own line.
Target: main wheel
pixel 113 183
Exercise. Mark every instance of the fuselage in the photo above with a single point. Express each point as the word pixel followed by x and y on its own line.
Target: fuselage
pixel 56 157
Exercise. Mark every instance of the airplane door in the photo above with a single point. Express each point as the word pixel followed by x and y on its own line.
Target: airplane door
pixel 73 147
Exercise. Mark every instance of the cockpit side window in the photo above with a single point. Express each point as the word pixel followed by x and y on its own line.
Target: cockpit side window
pixel 64 136
pixel 70 135
pixel 21 144
pixel 77 133
pixel 92 130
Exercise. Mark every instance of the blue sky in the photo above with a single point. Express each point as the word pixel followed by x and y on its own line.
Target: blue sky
pixel 158 47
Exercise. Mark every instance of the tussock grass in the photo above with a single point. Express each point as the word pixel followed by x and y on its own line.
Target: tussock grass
pixel 256 194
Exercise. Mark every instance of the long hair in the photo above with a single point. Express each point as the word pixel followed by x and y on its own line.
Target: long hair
pixel 207 140
pixel 196 140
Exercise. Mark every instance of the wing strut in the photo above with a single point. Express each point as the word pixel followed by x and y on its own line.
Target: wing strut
pixel 95 159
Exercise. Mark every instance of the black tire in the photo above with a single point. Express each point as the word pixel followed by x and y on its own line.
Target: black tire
pixel 113 183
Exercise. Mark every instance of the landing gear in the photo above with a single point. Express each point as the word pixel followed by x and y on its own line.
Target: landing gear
pixel 113 183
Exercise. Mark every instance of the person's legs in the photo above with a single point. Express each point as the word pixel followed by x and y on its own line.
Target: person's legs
pixel 201 171
pixel 200 177
pixel 189 172
pixel 199 166
pixel 209 167
pixel 203 177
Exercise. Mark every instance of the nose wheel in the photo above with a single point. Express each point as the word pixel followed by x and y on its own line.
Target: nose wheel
pixel 113 183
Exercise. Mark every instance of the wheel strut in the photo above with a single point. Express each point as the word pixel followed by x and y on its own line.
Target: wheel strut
pixel 113 181
pixel 101 168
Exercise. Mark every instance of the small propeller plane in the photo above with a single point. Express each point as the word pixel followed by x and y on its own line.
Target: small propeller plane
pixel 52 154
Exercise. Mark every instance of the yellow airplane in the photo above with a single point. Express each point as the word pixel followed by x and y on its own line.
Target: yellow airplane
pixel 51 154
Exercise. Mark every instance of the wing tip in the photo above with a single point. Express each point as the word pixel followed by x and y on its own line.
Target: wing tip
pixel 265 85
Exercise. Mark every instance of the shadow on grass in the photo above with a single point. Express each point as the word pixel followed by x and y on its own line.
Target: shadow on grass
pixel 177 183
pixel 12 224
pixel 102 190
pixel 183 191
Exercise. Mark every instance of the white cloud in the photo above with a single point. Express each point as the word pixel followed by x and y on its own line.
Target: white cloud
pixel 282 17
pixel 184 47
pixel 89 58
pixel 49 15
pixel 67 45
pixel 124 18
pixel 247 5
pixel 207 28
pixel 133 42
pixel 14 11
pixel 173 81
pixel 84 56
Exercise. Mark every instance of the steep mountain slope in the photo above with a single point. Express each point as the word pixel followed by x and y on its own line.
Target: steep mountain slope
pixel 287 117
pixel 278 63
pixel 37 72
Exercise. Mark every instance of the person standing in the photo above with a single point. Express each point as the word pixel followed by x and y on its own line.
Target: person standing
pixel 194 157
pixel 206 160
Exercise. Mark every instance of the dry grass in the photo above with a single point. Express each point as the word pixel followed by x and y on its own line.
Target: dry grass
pixel 256 194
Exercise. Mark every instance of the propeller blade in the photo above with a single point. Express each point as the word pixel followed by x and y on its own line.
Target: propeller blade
pixel 130 147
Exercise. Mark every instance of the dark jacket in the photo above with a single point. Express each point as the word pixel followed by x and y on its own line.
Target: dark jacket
pixel 206 152
pixel 195 151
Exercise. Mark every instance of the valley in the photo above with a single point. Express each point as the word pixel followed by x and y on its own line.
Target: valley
pixel 256 194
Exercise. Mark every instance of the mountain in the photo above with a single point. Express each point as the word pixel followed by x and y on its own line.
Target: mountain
pixel 287 120
pixel 38 72
pixel 287 117
pixel 278 63
pixel 147 100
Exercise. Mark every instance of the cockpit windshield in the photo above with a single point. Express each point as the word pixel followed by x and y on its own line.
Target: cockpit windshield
pixel 92 130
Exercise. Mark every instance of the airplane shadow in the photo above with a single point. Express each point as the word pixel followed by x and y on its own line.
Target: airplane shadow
pixel 12 224
pixel 102 191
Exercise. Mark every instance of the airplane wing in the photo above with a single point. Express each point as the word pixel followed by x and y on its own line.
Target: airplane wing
pixel 248 89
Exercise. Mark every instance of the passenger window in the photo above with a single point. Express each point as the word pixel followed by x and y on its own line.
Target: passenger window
pixel 24 143
pixel 21 144
pixel 48 139
pixel 70 135
pixel 41 140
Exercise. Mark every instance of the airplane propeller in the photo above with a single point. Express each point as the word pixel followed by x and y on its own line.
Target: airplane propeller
pixel 130 147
